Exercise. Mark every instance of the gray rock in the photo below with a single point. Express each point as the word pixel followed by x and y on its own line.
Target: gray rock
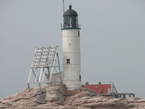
pixel 39 91
pixel 4 107
pixel 54 97
pixel 40 97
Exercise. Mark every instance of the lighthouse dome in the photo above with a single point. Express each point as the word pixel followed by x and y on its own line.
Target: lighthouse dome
pixel 70 19
pixel 70 12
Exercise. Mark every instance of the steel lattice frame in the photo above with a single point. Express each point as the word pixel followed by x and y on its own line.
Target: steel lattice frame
pixel 44 63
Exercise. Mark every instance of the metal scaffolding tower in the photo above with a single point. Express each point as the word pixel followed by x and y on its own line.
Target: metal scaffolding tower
pixel 45 63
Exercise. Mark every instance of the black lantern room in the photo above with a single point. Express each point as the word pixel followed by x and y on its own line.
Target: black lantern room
pixel 70 19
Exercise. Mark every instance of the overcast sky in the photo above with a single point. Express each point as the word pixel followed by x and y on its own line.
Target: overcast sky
pixel 112 41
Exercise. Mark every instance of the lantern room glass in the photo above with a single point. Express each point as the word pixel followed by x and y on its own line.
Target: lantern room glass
pixel 70 22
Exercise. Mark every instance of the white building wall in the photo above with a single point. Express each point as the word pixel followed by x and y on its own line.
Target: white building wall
pixel 71 50
pixel 56 78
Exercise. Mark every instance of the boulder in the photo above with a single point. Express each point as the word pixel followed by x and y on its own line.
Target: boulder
pixel 40 96
pixel 54 95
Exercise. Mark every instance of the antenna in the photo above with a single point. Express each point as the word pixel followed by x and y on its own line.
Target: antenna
pixel 63 6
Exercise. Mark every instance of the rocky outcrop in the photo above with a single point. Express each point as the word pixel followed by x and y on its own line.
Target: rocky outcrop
pixel 57 97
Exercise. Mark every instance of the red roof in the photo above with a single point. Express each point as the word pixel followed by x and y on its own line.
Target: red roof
pixel 103 88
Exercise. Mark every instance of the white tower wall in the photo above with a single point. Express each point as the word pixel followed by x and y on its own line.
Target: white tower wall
pixel 71 50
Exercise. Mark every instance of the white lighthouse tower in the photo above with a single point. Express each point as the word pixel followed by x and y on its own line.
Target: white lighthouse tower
pixel 71 50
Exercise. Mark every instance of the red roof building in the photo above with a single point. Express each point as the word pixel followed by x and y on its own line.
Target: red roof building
pixel 98 88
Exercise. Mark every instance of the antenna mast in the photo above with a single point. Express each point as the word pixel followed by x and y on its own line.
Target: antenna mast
pixel 63 7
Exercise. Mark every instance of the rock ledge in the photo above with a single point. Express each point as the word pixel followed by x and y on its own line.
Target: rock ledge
pixel 57 97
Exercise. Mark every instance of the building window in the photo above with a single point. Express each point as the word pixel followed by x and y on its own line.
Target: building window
pixel 68 61
pixel 78 33
pixel 80 77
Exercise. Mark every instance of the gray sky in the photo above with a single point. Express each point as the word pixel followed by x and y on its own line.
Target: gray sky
pixel 112 41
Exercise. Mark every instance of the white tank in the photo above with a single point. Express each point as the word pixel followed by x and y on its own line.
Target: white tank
pixel 71 58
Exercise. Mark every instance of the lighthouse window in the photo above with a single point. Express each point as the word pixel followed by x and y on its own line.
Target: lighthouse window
pixel 68 61
pixel 80 77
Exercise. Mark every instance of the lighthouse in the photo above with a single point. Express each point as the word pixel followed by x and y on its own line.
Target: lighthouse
pixel 71 50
